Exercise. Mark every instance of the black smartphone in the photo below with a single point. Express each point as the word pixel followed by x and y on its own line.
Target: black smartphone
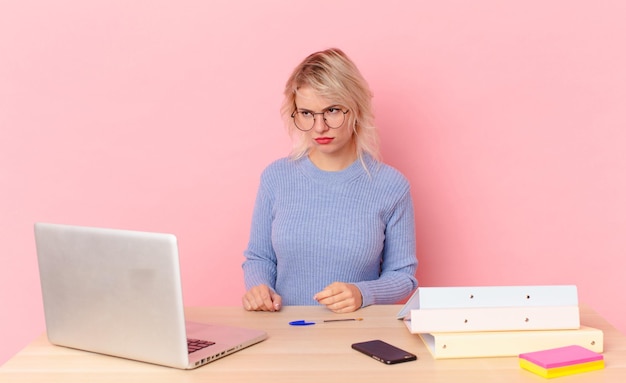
pixel 384 352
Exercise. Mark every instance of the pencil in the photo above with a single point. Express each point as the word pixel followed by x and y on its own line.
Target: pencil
pixel 342 320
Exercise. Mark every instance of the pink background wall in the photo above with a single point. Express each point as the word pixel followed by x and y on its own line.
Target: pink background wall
pixel 508 118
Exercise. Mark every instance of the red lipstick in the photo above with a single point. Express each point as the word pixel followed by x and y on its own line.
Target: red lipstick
pixel 324 140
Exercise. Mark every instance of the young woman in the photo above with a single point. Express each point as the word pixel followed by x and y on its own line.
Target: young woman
pixel 332 225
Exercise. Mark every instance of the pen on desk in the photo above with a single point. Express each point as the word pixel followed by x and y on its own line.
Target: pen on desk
pixel 342 320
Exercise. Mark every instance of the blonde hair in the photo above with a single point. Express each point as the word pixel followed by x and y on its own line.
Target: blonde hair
pixel 334 76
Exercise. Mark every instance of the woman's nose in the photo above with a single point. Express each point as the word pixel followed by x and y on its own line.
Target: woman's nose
pixel 319 124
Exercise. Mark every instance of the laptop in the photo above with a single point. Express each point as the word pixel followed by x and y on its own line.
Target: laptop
pixel 118 292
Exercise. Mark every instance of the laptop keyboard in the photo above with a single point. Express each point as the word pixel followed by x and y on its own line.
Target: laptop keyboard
pixel 194 345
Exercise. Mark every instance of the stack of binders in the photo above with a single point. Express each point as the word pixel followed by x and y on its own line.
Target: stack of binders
pixel 492 321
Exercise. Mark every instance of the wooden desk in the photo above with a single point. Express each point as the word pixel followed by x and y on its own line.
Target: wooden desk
pixel 319 353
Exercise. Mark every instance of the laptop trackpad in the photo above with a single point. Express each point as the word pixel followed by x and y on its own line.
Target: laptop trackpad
pixel 216 333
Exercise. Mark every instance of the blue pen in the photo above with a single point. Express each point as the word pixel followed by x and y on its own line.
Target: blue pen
pixel 301 323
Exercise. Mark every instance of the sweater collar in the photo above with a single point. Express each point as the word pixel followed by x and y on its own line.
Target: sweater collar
pixel 353 171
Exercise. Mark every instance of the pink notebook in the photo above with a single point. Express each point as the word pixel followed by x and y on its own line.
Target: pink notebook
pixel 562 356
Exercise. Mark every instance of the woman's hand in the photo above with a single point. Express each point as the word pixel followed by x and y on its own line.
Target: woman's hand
pixel 261 298
pixel 340 297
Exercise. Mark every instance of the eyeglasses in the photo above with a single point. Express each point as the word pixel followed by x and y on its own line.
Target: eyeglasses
pixel 334 117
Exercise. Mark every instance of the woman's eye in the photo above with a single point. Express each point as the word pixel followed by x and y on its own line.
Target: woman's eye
pixel 332 110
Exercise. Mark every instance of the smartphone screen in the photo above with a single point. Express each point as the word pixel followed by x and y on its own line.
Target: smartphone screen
pixel 384 352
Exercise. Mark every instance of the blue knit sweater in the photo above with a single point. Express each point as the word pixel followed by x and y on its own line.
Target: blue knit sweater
pixel 311 228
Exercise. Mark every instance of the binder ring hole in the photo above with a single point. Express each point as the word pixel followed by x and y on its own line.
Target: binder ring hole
pixel 444 346
pixel 527 296
pixel 526 320
pixel 593 342
pixel 471 296
pixel 466 321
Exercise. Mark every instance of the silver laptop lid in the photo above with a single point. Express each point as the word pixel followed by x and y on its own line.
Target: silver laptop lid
pixel 113 292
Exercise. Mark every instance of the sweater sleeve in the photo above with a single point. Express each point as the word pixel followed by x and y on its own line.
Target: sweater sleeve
pixel 397 279
pixel 259 266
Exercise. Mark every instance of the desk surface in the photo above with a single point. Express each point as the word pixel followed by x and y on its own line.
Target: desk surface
pixel 319 353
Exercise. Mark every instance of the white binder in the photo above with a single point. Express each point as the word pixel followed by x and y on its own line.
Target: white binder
pixel 490 296
pixel 509 343
pixel 493 319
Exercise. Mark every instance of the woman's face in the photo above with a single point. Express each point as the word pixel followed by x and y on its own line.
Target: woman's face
pixel 335 145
